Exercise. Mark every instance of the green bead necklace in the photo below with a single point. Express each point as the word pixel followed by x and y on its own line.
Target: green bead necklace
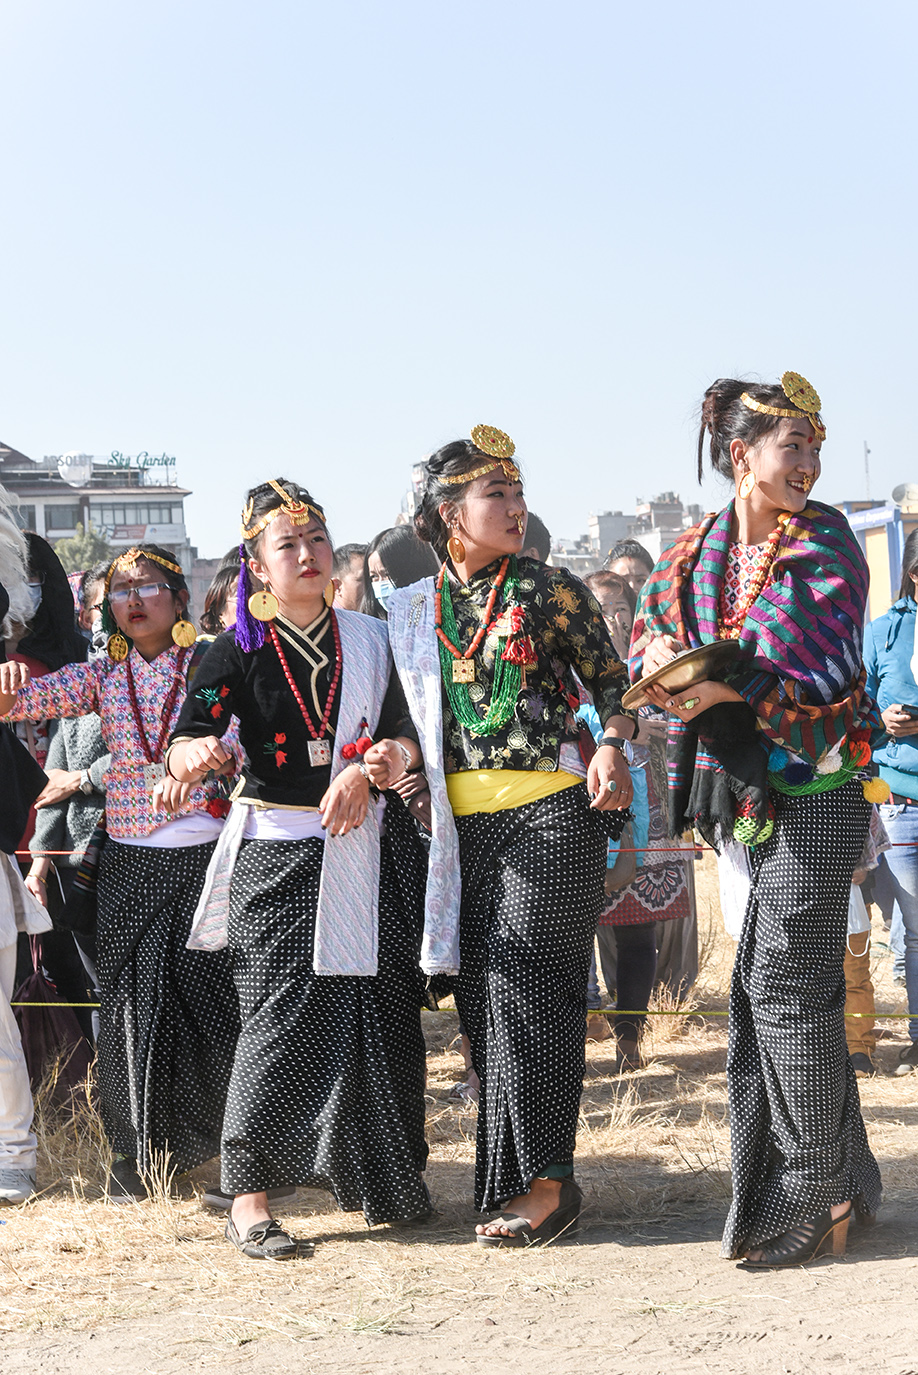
pixel 507 676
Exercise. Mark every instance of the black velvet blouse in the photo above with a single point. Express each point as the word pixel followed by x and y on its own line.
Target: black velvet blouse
pixel 272 732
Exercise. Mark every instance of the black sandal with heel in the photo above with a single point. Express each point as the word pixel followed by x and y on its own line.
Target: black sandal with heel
pixel 803 1243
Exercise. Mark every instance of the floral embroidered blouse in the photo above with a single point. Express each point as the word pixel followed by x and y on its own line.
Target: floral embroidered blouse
pixel 569 636
pixel 102 686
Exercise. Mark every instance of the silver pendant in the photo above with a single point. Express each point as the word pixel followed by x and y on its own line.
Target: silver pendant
pixel 152 773
pixel 319 753
pixel 417 601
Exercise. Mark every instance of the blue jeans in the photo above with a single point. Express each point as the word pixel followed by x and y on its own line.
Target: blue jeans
pixel 901 821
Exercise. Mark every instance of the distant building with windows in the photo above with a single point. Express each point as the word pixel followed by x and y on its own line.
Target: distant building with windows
pixel 129 500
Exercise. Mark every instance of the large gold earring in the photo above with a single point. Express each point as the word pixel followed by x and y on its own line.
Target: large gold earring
pixel 328 596
pixel 118 647
pixel 747 485
pixel 456 549
pixel 263 606
pixel 184 633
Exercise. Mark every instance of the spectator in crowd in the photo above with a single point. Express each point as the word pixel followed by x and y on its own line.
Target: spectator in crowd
pixel 631 561
pixel 348 576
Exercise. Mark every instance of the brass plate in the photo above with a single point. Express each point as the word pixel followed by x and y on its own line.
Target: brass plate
pixel 691 666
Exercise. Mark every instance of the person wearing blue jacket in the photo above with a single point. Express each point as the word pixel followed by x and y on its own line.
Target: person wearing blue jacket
pixel 891 658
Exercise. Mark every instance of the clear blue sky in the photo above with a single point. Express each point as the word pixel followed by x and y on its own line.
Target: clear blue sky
pixel 320 240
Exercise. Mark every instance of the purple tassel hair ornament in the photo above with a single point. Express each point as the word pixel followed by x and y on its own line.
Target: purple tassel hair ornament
pixel 250 634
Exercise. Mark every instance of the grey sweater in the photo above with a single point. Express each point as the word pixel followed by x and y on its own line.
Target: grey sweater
pixel 76 744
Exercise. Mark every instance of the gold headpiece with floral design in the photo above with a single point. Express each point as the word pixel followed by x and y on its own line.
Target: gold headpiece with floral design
pixel 130 558
pixel 300 512
pixel 499 446
pixel 801 394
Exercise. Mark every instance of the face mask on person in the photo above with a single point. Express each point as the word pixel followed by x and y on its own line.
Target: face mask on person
pixel 383 590
pixel 33 598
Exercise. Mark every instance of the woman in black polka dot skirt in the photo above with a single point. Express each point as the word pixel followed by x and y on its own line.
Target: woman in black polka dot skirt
pixel 485 652
pixel 768 764
pixel 322 920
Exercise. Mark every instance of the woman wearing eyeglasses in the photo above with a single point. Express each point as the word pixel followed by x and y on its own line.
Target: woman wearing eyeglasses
pixel 168 1023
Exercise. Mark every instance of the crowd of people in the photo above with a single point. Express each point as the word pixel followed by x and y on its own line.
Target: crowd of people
pixel 436 764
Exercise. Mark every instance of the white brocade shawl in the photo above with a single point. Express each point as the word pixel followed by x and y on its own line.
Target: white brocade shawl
pixel 347 919
pixel 413 640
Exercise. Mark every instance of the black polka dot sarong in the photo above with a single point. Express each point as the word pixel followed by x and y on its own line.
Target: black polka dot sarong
pixel 168 1019
pixel 327 1089
pixel 797 1136
pixel 532 888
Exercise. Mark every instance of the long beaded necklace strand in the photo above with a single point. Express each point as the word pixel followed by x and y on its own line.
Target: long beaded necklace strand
pixel 318 746
pixel 457 666
pixel 730 623
pixel 154 769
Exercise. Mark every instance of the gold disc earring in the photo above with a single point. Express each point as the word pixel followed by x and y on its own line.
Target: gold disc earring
pixel 184 633
pixel 747 485
pixel 118 647
pixel 456 549
pixel 328 596
pixel 263 606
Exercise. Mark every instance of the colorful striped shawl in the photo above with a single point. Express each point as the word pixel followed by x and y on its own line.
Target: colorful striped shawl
pixel 801 641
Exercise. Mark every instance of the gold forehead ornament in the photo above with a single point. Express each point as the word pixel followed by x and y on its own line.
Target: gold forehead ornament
pixel 801 394
pixel 130 558
pixel 300 512
pixel 499 446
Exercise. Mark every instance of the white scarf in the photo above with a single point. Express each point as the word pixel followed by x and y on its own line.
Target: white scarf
pixel 413 640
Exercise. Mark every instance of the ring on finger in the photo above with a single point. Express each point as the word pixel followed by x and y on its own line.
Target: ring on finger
pixel 611 785
pixel 689 704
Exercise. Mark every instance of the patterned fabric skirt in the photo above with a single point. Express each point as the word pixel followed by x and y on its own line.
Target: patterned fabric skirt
pixel 532 885
pixel 327 1088
pixel 168 1020
pixel 797 1136
pixel 663 888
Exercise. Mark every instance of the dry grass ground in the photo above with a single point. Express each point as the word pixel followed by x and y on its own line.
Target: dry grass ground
pixel 153 1287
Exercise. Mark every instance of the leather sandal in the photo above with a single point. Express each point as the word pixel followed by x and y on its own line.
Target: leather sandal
pixel 803 1243
pixel 264 1241
pixel 862 1214
pixel 565 1218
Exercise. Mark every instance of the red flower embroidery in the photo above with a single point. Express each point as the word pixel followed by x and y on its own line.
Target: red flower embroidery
pixel 280 738
pixel 280 758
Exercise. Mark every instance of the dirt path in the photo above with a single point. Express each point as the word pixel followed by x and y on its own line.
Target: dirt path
pixel 632 1300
